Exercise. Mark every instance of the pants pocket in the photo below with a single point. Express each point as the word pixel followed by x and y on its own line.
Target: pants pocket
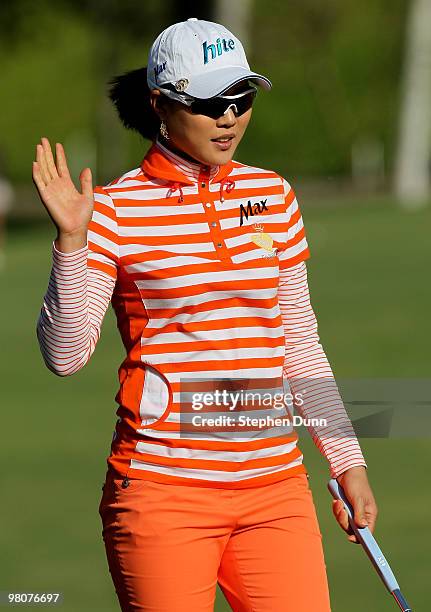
pixel 118 489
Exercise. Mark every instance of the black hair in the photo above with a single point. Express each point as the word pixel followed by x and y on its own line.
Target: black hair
pixel 130 94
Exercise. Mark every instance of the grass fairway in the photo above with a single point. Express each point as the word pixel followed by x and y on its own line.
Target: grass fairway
pixel 369 281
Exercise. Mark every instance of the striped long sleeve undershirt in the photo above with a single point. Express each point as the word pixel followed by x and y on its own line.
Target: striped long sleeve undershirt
pixel 72 312
pixel 310 375
pixel 78 297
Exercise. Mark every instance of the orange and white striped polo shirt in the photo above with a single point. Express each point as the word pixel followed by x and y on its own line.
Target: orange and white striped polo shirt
pixel 195 252
pixel 153 438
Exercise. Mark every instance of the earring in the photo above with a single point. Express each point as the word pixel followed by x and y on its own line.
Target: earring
pixel 164 130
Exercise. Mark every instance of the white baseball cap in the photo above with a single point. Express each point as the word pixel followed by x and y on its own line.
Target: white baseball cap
pixel 198 58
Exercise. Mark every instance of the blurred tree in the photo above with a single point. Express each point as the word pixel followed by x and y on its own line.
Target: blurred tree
pixel 412 170
pixel 181 11
pixel 237 17
pixel 122 21
pixel 335 70
pixel 118 23
pixel 115 26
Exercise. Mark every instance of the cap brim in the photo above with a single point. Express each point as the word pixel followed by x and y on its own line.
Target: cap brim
pixel 215 82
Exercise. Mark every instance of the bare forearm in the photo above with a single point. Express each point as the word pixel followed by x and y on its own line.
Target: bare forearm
pixel 67 243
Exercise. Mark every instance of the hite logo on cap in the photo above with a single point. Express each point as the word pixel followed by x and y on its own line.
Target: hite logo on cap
pixel 218 48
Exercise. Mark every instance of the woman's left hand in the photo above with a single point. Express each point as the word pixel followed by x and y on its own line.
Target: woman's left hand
pixel 358 492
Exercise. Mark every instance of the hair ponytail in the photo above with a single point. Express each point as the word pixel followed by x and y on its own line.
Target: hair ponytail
pixel 130 94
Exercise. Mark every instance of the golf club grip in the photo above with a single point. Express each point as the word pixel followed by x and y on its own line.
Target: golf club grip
pixel 367 540
pixel 399 598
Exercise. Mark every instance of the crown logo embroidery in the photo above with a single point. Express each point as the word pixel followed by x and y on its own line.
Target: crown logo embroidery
pixel 262 239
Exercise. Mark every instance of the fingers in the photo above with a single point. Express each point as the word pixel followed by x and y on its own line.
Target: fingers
pixel 365 511
pixel 63 170
pixel 50 165
pixel 359 513
pixel 45 161
pixel 371 512
pixel 340 514
pixel 343 520
pixel 37 177
pixel 359 494
pixel 86 183
pixel 40 157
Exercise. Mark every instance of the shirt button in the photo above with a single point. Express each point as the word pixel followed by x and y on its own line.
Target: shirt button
pixel 219 244
pixel 208 204
pixel 203 184
pixel 125 483
pixel 214 223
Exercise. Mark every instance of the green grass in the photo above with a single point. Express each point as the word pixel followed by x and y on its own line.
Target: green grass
pixel 368 278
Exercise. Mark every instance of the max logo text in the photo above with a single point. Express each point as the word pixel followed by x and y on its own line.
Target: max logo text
pixel 252 209
pixel 159 69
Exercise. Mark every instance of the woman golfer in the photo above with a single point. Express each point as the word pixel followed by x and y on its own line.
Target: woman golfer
pixel 203 259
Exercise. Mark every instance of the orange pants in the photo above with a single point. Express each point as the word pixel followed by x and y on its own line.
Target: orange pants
pixel 168 545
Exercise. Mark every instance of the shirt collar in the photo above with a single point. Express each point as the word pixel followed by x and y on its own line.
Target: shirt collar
pixel 190 169
pixel 160 162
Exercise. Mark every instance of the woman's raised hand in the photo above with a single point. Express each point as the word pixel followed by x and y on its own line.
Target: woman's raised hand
pixel 69 209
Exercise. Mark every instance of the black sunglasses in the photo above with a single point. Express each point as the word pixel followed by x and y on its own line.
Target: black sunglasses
pixel 218 105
